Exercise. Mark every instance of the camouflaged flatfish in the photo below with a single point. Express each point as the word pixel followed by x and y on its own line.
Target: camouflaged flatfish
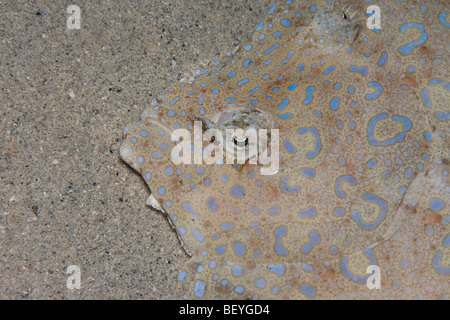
pixel 359 204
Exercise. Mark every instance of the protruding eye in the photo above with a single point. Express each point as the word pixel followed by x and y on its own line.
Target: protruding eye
pixel 344 15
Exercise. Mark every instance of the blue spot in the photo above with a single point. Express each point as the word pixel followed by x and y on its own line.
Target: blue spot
pixel 362 70
pixel 275 210
pixel 237 191
pixel 443 116
pixel 309 291
pixel 161 191
pixel 277 34
pixel 292 87
pixel 371 163
pixel 248 47
pixel 246 62
pixel 143 133
pixel 310 173
pixel 409 47
pixel 212 204
pixel 133 140
pixel 197 235
pixel 254 90
pixel 232 74
pixel 301 67
pixel 283 104
pixel 315 238
pixel 334 105
pixel 224 178
pixel 426 97
pixel 281 231
pixel 308 213
pixel 339 182
pixel 239 290
pixel 278 269
pixel 148 175
pixel 186 206
pixel 289 56
pixel 215 91
pixel 227 226
pixel 260 283
pixel 289 147
pixel 338 212
pixel 383 59
pixel 286 22
pixel 372 198
pixel 238 249
pixel 272 10
pixel 329 70
pixel 275 46
pixel 140 159
pixel 314 153
pixel 309 92
pixel 173 102
pixel 237 271
pixel 182 276
pixel 437 205
pixel 260 26
pixel 240 83
pixel 200 288
pixel 220 249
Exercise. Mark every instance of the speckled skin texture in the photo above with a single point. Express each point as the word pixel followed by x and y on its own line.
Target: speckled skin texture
pixel 363 118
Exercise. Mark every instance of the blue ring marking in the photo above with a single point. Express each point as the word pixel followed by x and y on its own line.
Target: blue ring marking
pixel 334 104
pixel 370 226
pixel 309 291
pixel 237 191
pixel 232 74
pixel 437 264
pixel 281 231
pixel 314 153
pixel 285 187
pixel 426 97
pixel 212 204
pixel 339 182
pixel 383 59
pixel 315 239
pixel 289 147
pixel 437 205
pixel 371 163
pixel 140 159
pixel 197 235
pixel 442 19
pixel 362 70
pixel 186 206
pixel 182 276
pixel 278 269
pixel 349 275
pixel 275 46
pixel 239 249
pixel 199 289
pixel 409 47
pixel 329 70
pixel 283 104
pixel 212 265
pixel 376 94
pixel 398 138
pixel 309 92
pixel 308 213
